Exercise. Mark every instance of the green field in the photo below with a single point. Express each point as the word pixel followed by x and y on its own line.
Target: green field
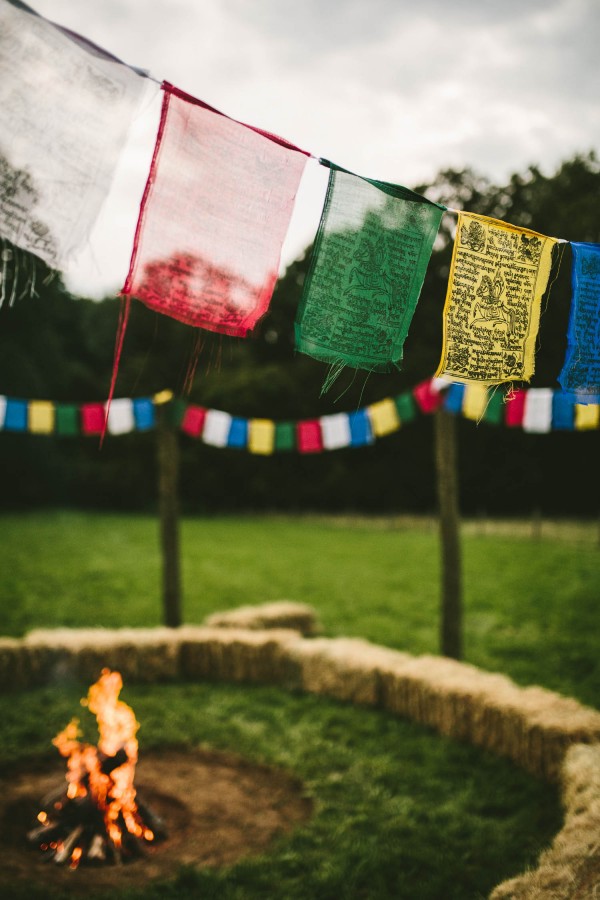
pixel 399 811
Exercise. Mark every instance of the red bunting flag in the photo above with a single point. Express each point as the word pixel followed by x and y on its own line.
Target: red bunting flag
pixel 309 436
pixel 515 408
pixel 93 416
pixel 193 420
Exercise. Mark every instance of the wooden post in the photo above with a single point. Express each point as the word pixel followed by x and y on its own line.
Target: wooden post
pixel 451 576
pixel 168 507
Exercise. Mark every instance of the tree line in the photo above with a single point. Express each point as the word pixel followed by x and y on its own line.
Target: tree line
pixel 59 347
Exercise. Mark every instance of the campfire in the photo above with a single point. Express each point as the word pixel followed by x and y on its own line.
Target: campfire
pixel 97 817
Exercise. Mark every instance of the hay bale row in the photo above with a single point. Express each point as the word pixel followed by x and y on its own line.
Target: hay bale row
pixel 280 614
pixel 570 868
pixel 532 726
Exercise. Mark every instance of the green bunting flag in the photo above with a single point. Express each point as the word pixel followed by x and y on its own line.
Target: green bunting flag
pixel 369 260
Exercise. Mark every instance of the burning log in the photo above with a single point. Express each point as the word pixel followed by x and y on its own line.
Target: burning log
pixel 96 818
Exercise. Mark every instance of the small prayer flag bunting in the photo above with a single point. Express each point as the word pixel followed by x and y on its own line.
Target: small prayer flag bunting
pixel 368 264
pixel 238 432
pixel 406 407
pixel 285 436
pixel 2 409
pixel 427 395
pixel 93 417
pixel 515 408
pixel 491 316
pixel 383 416
pixel 453 398
pixel 193 420
pixel 587 416
pixel 361 433
pixel 475 401
pixel 41 417
pixel 67 419
pixel 261 436
pixel 581 369
pixel 216 428
pixel 120 416
pixel 144 414
pixel 15 415
pixel 336 431
pixel 309 438
pixel 563 411
pixel 537 411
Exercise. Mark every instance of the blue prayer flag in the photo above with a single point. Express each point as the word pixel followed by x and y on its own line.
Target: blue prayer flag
pixel 581 369
pixel 15 417
pixel 361 432
pixel 563 411
pixel 143 413
pixel 453 400
pixel 238 433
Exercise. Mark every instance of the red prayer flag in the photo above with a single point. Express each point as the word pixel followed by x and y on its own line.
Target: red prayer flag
pixel 193 420
pixel 515 408
pixel 309 436
pixel 213 218
pixel 93 417
pixel 428 398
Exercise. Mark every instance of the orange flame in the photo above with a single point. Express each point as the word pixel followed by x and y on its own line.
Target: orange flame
pixel 113 792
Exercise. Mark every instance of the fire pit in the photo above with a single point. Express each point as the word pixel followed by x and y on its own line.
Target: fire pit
pixel 97 817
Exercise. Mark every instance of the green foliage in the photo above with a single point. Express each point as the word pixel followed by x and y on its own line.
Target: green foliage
pixel 57 347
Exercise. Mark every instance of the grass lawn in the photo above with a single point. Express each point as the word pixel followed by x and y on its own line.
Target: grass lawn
pixel 400 812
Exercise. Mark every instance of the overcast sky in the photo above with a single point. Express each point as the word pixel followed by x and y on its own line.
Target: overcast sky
pixel 390 89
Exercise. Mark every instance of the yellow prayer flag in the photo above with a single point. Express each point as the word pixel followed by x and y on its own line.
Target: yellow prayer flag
pixel 587 416
pixel 163 397
pixel 475 401
pixel 261 436
pixel 384 417
pixel 498 276
pixel 41 417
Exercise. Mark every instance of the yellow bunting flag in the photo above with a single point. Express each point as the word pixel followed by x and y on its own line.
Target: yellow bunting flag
pixel 498 276
pixel 41 417
pixel 587 416
pixel 383 417
pixel 475 401
pixel 261 436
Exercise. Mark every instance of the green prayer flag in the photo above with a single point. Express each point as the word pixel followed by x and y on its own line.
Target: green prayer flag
pixel 285 436
pixel 175 412
pixel 367 268
pixel 495 408
pixel 67 419
pixel 406 407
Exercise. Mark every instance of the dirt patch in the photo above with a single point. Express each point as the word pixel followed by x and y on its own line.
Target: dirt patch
pixel 217 808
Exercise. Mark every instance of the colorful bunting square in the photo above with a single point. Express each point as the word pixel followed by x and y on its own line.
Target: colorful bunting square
pixel 581 369
pixel 368 264
pixel 213 219
pixel 193 420
pixel 67 419
pixel 120 416
pixel 308 436
pixel 216 428
pixel 537 411
pixel 15 415
pixel 515 408
pixel 453 398
pixel 285 436
pixel 2 409
pixel 563 411
pixel 41 417
pixel 498 276
pixel 93 416
pixel 336 431
pixel 475 401
pixel 428 396
pixel 587 416
pixel 405 404
pixel 238 432
pixel 383 417
pixel 361 433
pixel 261 436
pixel 494 410
pixel 144 414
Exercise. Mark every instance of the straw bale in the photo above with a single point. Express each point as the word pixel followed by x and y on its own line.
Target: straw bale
pixel 138 654
pixel 14 665
pixel 231 654
pixel 345 668
pixel 280 614
pixel 570 868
